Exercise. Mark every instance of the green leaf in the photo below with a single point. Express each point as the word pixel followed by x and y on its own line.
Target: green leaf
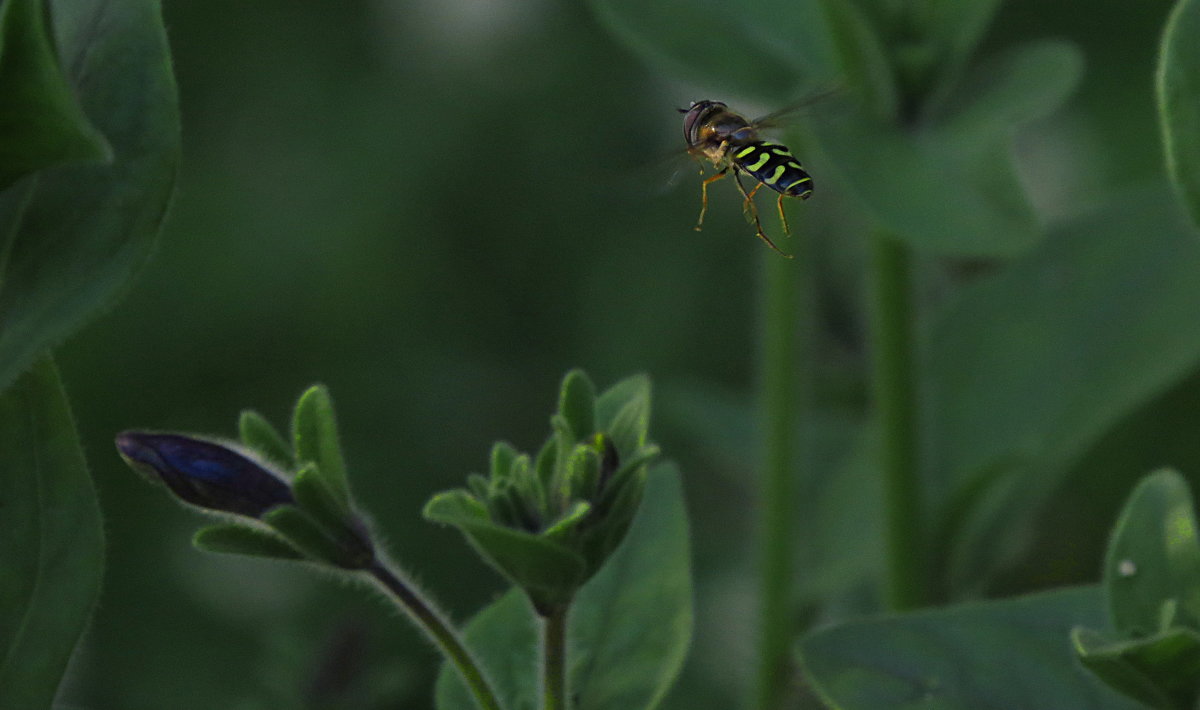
pixel 577 403
pixel 50 534
pixel 41 124
pixel 504 455
pixel 456 507
pixel 712 48
pixel 1013 653
pixel 342 524
pixel 623 412
pixel 955 27
pixel 314 430
pixel 1154 557
pixel 904 179
pixel 304 533
pixel 1024 83
pixel 545 569
pixel 629 627
pixel 1161 671
pixel 861 58
pixel 260 435
pixel 88 228
pixel 235 539
pixel 1178 86
pixel 1105 309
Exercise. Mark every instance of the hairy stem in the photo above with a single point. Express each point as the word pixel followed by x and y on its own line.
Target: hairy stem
pixel 554 659
pixel 436 627
pixel 894 383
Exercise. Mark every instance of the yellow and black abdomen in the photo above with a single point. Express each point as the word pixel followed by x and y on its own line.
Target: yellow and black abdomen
pixel 774 165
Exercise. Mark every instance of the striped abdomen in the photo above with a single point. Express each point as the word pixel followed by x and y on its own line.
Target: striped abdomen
pixel 775 166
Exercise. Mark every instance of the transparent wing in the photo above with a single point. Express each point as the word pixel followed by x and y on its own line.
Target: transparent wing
pixel 796 109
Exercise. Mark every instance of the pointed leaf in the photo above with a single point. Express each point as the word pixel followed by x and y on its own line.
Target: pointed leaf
pixel 260 435
pixel 89 228
pixel 314 429
pixel 577 403
pixel 235 539
pixel 1178 88
pixel 623 412
pixel 40 122
pixel 963 657
pixel 628 630
pixel 50 534
pixel 306 535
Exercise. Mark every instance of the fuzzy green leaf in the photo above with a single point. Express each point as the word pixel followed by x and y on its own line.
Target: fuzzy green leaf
pixel 629 627
pixel 41 123
pixel 260 435
pixel 88 228
pixel 314 431
pixel 504 455
pixel 1178 86
pixel 304 533
pixel 50 534
pixel 577 403
pixel 547 570
pixel 623 412
pixel 235 539
pixel 963 657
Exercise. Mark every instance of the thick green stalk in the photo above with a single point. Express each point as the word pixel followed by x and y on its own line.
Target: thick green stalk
pixel 783 363
pixel 554 659
pixel 894 383
pixel 446 639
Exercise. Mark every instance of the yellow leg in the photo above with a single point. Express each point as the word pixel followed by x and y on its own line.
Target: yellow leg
pixel 782 216
pixel 748 204
pixel 704 195
pixel 758 230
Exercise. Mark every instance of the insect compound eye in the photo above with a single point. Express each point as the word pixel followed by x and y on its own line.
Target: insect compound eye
pixel 695 118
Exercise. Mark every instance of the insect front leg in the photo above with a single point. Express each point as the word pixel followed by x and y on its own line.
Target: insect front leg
pixel 704 194
pixel 754 214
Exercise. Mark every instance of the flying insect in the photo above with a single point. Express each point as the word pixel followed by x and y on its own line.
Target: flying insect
pixel 732 144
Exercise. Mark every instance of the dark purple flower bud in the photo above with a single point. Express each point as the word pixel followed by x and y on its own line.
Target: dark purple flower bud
pixel 204 473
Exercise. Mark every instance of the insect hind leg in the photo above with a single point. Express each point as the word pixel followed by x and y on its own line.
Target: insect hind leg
pixel 782 216
pixel 758 230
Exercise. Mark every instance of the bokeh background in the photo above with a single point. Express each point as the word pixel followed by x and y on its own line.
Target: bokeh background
pixel 438 207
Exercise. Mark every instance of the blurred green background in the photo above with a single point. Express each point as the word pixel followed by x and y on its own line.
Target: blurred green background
pixel 437 207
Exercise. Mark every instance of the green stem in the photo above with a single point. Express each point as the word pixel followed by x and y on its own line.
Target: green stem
pixel 446 639
pixel 894 381
pixel 554 659
pixel 781 402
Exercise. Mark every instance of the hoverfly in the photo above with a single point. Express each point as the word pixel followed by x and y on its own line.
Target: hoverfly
pixel 732 144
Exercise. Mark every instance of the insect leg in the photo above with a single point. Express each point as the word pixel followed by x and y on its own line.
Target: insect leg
pixel 782 216
pixel 748 204
pixel 704 194
pixel 754 214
